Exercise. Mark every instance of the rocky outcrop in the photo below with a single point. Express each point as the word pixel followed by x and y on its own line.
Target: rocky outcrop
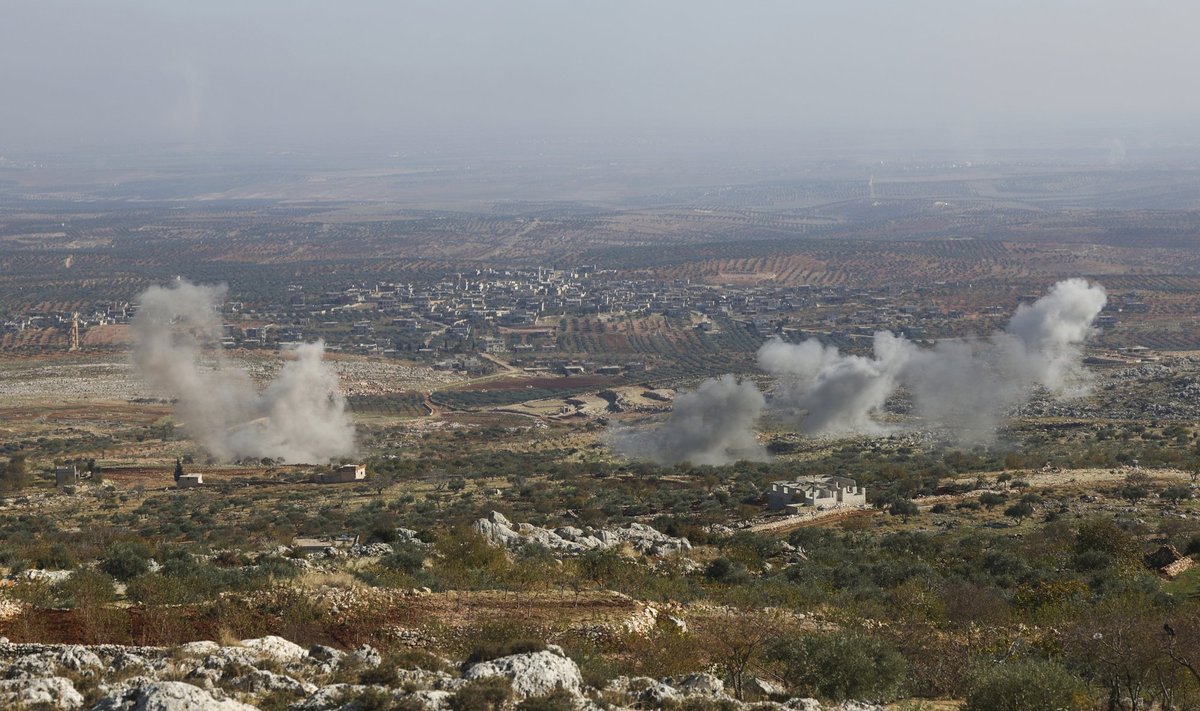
pixel 701 684
pixel 370 550
pixel 262 681
pixel 143 694
pixel 532 674
pixel 270 671
pixel 53 692
pixel 275 648
pixel 72 658
pixel 568 539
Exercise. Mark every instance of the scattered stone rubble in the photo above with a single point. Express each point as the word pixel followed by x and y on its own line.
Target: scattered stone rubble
pixel 202 676
pixel 571 540
pixel 1168 562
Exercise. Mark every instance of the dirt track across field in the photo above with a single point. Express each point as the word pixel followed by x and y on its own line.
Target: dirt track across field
pixel 784 525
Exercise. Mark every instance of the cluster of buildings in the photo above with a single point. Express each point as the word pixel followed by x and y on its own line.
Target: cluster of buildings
pixel 99 314
pixel 517 312
pixel 521 312
pixel 820 492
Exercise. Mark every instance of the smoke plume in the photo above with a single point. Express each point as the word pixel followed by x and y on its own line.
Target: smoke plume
pixel 713 424
pixel 301 415
pixel 962 387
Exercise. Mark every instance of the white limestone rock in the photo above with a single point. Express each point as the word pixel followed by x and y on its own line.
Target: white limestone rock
pixel 321 653
pixel 261 680
pixel 276 648
pixel 407 536
pixel 73 658
pixel 532 674
pixel 49 692
pixel 367 656
pixel 142 694
pixel 762 687
pixel 701 685
pixel 125 662
pixel 203 648
pixel 433 699
pixel 498 530
pixel 656 694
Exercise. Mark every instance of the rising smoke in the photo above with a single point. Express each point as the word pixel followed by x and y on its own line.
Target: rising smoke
pixel 301 415
pixel 961 388
pixel 713 424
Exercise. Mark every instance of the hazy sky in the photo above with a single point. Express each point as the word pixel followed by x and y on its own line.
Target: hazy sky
pixel 283 72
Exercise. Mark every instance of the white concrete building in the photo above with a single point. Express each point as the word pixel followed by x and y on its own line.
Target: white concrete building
pixel 816 491
pixel 188 481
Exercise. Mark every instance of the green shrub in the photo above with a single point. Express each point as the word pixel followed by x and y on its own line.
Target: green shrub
pixel 557 700
pixel 1026 685
pixel 378 700
pixel 600 565
pixel 723 570
pixel 86 588
pixel 841 666
pixel 126 560
pixel 155 589
pixel 382 675
pixel 488 694
pixel 56 557
pixel 405 559
pixel 991 500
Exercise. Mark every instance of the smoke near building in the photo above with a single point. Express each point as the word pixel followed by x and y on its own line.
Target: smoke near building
pixel 300 416
pixel 962 388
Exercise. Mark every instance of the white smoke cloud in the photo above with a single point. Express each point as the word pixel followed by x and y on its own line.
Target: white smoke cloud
pixel 301 415
pixel 829 392
pixel 713 424
pixel 964 387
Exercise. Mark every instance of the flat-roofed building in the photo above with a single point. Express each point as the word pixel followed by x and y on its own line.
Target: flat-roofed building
pixel 344 474
pixel 816 491
pixel 190 481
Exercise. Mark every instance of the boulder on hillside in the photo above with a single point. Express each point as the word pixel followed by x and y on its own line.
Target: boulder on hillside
pixel 531 674
pixel 73 658
pixel 276 648
pixel 500 531
pixel 701 684
pixel 646 692
pixel 53 692
pixel 143 694
pixel 263 681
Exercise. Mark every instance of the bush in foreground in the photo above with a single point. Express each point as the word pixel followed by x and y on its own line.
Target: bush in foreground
pixel 841 666
pixel 1025 685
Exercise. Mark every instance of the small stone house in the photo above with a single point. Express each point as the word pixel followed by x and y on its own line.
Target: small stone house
pixel 189 481
pixel 344 474
pixel 817 492
pixel 65 476
pixel 1168 562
